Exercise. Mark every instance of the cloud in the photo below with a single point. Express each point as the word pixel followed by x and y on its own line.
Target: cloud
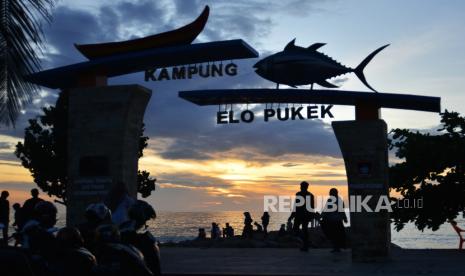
pixel 190 131
pixel 9 157
pixel 271 139
pixel 340 81
pixel 5 145
pixel 289 165
pixel 191 180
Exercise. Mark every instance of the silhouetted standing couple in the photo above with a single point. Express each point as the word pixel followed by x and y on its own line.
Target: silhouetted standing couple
pixel 332 221
pixel 303 212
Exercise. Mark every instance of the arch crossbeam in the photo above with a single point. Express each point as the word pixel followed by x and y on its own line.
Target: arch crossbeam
pixel 367 104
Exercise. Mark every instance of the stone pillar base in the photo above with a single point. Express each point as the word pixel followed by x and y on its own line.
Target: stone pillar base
pixel 104 126
pixel 364 148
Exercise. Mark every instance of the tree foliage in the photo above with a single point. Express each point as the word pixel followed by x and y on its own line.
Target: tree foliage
pixel 44 151
pixel 432 170
pixel 20 45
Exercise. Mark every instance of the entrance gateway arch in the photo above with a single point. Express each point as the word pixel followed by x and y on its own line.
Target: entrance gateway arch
pixel 363 144
pixel 104 122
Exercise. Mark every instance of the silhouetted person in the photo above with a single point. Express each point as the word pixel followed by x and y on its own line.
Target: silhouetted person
pixel 215 232
pixel 4 215
pixel 119 202
pixel 19 221
pixel 247 232
pixel 115 258
pixel 19 216
pixel 332 222
pixel 133 232
pixel 301 214
pixel 30 204
pixel 282 230
pixel 96 214
pixel 37 237
pixel 265 221
pixel 228 232
pixel 72 257
pixel 202 234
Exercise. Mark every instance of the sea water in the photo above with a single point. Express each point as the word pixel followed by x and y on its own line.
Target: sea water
pixel 178 226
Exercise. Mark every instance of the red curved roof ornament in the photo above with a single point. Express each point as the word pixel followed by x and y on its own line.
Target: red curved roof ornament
pixel 181 36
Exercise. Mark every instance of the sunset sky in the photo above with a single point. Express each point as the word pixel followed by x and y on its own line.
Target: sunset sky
pixel 202 166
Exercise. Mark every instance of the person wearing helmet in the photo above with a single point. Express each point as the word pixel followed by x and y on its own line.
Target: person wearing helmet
pixel 96 215
pixel 132 233
pixel 115 258
pixel 72 258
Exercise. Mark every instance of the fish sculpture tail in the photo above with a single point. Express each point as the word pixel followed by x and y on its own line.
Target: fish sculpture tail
pixel 359 69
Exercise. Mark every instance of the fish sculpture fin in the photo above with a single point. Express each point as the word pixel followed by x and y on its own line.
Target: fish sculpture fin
pixel 290 45
pixel 326 84
pixel 359 69
pixel 315 46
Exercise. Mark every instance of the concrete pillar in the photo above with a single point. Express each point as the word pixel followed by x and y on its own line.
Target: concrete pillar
pixel 364 148
pixel 104 125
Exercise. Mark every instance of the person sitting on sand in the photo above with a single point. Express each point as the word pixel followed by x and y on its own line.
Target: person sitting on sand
pixel 202 234
pixel 228 232
pixel 247 232
pixel 215 231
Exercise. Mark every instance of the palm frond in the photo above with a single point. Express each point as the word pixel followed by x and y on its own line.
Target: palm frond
pixel 21 41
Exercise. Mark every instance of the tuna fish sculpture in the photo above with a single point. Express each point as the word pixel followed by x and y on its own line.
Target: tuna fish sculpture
pixel 299 66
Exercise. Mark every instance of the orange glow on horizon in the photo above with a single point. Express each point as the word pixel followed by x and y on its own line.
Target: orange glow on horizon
pixel 224 177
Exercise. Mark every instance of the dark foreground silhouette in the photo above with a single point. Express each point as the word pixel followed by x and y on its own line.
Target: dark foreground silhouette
pixel 96 247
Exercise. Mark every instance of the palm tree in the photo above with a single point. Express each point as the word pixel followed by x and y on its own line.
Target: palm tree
pixel 21 40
